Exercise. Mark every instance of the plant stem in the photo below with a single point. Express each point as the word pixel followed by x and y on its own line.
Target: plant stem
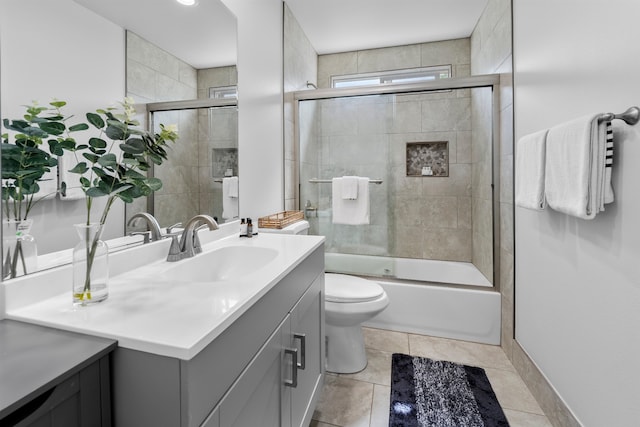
pixel 92 245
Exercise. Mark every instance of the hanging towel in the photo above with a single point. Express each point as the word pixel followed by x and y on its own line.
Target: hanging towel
pixel 349 187
pixel 351 212
pixel 230 197
pixel 530 170
pixel 608 189
pixel 72 180
pixel 576 182
pixel 230 186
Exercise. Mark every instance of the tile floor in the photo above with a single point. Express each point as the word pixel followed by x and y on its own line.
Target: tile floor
pixel 362 399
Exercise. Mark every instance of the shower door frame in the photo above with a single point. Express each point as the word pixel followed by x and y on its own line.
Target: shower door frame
pixel 491 81
pixel 192 104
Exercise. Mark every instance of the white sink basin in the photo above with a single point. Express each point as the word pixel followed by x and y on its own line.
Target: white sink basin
pixel 226 263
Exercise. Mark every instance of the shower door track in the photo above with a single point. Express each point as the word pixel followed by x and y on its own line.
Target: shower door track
pixel 485 80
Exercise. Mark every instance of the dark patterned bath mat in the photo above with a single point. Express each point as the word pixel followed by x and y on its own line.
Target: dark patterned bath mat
pixel 432 393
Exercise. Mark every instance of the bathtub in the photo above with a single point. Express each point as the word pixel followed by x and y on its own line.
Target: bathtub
pixel 435 307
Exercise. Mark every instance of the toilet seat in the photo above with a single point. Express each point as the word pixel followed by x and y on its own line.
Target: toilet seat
pixel 342 288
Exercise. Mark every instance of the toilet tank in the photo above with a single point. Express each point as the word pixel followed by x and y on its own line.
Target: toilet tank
pixel 298 227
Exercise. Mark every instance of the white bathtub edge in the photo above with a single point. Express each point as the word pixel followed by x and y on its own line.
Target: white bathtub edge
pixel 447 312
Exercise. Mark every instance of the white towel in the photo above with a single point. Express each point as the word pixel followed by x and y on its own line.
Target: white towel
pixel 351 212
pixel 576 181
pixel 608 188
pixel 230 186
pixel 349 187
pixel 72 180
pixel 230 197
pixel 530 170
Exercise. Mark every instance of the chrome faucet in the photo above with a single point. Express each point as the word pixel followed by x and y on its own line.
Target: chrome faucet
pixel 189 243
pixel 152 225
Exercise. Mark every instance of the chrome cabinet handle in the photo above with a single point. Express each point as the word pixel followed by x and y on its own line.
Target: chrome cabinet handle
pixel 293 382
pixel 303 345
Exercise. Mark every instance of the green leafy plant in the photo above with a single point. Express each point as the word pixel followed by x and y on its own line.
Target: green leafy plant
pixel 112 164
pixel 24 163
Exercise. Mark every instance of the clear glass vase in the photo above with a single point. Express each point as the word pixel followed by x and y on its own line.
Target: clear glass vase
pixel 20 255
pixel 90 266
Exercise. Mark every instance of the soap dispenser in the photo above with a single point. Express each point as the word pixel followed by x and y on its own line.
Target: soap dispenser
pixel 249 228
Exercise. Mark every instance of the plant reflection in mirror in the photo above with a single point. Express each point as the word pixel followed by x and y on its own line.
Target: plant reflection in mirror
pixel 24 166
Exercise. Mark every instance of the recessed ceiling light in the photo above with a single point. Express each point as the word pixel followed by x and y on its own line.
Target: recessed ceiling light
pixel 188 2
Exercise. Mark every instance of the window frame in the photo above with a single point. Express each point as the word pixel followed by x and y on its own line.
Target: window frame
pixel 223 92
pixel 404 76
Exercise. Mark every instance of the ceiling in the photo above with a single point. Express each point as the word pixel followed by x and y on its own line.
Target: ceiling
pixel 334 26
pixel 204 36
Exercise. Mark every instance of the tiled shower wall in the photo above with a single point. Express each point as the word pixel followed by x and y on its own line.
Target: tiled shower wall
pixel 411 217
pixel 154 75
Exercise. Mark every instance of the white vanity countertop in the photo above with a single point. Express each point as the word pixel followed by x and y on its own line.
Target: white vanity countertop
pixel 148 313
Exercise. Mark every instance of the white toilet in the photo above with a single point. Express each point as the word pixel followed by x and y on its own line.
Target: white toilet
pixel 349 301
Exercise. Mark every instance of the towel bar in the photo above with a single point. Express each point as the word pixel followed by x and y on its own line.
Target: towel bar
pixel 324 181
pixel 630 117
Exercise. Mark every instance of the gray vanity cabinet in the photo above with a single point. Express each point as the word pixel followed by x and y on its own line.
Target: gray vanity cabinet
pixel 258 398
pixel 281 385
pixel 53 378
pixel 307 336
pixel 237 379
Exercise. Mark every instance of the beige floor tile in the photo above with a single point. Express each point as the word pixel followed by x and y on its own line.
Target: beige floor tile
pixel 380 407
pixel 525 419
pixel 511 391
pixel 345 402
pixel 378 370
pixel 390 341
pixel 474 354
pixel 362 399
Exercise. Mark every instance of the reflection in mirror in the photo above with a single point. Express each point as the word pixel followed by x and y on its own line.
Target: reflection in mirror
pixel 213 154
pixel 90 35
pixel 190 174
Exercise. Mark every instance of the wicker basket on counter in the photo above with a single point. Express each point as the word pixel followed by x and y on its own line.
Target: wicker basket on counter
pixel 280 219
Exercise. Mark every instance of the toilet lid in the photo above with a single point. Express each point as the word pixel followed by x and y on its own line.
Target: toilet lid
pixel 345 288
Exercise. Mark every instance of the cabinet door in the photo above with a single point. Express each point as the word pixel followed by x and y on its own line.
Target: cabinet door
pixel 307 324
pixel 213 420
pixel 256 398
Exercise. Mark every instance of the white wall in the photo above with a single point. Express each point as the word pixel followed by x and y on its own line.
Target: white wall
pixel 578 282
pixel 260 118
pixel 60 50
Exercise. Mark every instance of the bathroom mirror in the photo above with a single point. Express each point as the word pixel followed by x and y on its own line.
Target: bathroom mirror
pixel 93 50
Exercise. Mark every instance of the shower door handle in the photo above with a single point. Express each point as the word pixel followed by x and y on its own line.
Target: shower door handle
pixel 303 351
pixel 293 382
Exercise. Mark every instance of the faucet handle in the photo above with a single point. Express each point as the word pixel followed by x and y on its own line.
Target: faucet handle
pixel 171 227
pixel 146 234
